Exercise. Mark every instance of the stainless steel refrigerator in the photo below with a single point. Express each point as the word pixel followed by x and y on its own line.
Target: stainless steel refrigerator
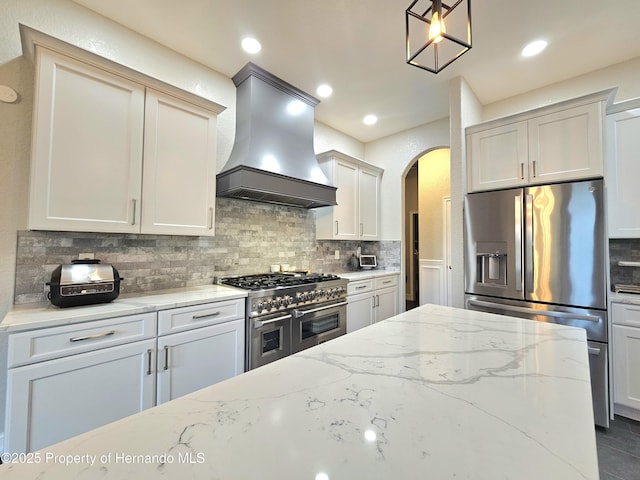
pixel 539 253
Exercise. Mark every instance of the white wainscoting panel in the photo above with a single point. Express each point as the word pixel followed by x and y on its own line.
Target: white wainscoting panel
pixel 432 282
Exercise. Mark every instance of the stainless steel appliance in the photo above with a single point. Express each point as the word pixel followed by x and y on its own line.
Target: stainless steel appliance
pixel 290 311
pixel 539 253
pixel 84 282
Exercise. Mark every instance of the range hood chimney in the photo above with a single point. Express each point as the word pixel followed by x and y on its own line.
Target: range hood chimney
pixel 272 159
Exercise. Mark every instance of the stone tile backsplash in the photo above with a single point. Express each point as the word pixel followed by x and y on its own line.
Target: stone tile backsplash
pixel 250 237
pixel 624 249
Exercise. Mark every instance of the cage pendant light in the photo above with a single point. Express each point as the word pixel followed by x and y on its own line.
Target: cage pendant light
pixel 437 33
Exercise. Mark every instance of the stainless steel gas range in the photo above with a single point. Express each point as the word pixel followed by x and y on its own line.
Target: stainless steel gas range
pixel 290 311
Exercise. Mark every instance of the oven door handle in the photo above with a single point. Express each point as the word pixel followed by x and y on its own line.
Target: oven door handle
pixel 261 323
pixel 300 313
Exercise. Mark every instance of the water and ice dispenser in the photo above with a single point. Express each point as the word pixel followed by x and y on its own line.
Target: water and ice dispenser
pixel 491 261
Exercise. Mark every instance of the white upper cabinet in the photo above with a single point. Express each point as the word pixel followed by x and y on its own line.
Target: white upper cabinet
pixel 623 172
pixel 357 215
pixel 552 144
pixel 498 157
pixel 567 145
pixel 179 181
pixel 111 154
pixel 86 167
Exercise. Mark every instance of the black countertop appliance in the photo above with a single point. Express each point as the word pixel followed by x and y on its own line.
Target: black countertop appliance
pixel 83 282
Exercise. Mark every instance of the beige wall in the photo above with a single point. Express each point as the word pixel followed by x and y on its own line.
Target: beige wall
pixel 433 185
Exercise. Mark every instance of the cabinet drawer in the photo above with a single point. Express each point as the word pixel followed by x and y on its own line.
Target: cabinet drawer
pixel 625 314
pixel 361 286
pixel 384 282
pixel 186 318
pixel 48 343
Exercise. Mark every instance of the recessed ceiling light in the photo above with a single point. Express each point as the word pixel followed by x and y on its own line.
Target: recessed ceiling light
pixel 370 120
pixel 251 45
pixel 324 90
pixel 534 48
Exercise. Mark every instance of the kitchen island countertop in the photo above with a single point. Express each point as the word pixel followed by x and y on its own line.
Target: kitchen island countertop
pixel 435 392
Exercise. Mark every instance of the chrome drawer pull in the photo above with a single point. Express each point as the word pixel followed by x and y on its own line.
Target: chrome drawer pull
pixel 92 337
pixel 205 315
pixel 361 287
pixel 149 353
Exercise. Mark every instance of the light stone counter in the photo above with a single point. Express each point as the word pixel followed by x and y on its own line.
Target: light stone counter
pixel 366 274
pixel 29 317
pixel 435 392
pixel 628 298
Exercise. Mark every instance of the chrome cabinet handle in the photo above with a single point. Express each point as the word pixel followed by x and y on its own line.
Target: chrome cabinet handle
pixel 92 337
pixel 205 315
pixel 149 362
pixel 166 357
pixel 521 170
pixel 261 323
pixel 336 227
pixel 533 165
pixel 133 207
pixel 361 229
pixel 210 226
pixel 377 300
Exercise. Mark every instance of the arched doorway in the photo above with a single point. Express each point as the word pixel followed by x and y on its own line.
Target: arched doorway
pixel 426 236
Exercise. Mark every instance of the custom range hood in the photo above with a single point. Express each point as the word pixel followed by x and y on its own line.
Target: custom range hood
pixel 272 158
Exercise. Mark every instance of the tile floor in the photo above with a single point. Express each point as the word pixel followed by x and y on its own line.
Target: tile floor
pixel 619 450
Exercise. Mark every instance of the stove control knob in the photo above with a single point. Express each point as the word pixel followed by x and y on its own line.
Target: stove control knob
pixel 287 300
pixel 280 302
pixel 261 305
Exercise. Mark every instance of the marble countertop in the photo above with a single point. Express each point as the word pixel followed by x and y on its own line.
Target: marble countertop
pixel 366 274
pixel 629 298
pixel 29 317
pixel 435 392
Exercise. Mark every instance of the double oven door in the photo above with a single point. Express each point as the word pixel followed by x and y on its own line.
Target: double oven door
pixel 280 334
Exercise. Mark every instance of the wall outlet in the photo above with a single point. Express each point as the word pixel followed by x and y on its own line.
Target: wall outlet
pixel 90 256
pixel 337 255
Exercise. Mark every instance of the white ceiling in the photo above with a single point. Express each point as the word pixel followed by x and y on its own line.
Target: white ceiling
pixel 358 46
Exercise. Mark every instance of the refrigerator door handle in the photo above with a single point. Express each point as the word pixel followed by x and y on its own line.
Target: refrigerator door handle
pixel 528 242
pixel 518 241
pixel 534 311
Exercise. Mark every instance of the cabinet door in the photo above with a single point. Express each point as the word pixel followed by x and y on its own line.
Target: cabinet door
pixel 566 145
pixel 179 167
pixel 191 360
pixel 626 366
pixel 345 213
pixel 623 172
pixel 86 162
pixel 359 311
pixel 51 401
pixel 369 204
pixel 497 157
pixel 386 303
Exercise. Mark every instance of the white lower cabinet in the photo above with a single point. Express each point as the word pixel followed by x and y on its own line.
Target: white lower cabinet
pixel 194 359
pixel 64 381
pixel 371 300
pixel 626 359
pixel 55 399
